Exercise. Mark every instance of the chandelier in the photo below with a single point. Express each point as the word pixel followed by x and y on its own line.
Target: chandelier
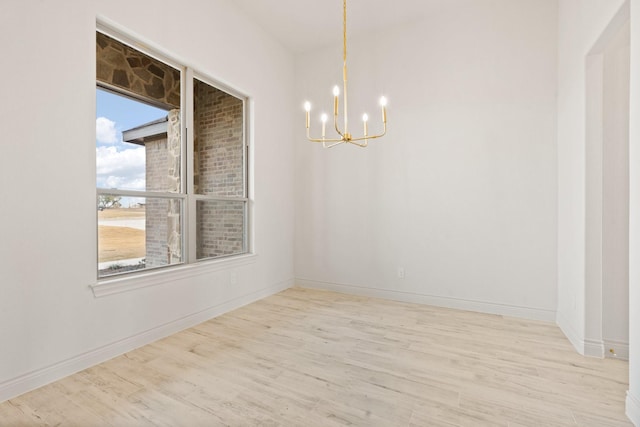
pixel 345 136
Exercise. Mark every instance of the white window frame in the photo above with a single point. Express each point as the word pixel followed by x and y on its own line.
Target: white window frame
pixel 190 266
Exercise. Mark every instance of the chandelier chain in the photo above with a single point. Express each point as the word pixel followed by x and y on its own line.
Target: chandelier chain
pixel 344 30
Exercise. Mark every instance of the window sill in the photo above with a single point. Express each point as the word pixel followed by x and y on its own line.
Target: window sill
pixel 118 285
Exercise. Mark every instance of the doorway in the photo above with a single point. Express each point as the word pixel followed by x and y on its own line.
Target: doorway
pixel 607 193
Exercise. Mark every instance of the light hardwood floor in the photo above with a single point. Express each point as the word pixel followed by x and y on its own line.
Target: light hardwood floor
pixel 314 358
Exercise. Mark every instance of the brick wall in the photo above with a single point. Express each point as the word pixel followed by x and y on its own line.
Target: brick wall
pixel 218 170
pixel 157 161
pixel 220 227
pixel 156 232
pixel 218 120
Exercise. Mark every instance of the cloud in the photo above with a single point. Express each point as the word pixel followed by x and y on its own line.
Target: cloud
pixel 106 132
pixel 125 183
pixel 124 170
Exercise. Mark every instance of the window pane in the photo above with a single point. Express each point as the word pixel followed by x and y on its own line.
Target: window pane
pixel 138 233
pixel 220 228
pixel 142 176
pixel 137 120
pixel 218 142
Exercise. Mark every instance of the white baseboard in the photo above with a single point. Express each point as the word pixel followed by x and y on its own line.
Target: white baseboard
pixel 574 338
pixel 572 335
pixel 633 409
pixel 439 301
pixel 593 348
pixel 38 378
pixel 620 349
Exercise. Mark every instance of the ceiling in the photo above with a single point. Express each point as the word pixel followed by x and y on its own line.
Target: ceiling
pixel 302 25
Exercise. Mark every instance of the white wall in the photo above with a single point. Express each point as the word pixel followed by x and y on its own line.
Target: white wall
pixel 461 193
pixel 615 194
pixel 50 321
pixel 633 397
pixel 593 207
pixel 581 23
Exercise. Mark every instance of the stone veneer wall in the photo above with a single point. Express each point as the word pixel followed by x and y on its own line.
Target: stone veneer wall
pixel 174 213
pixel 218 170
pixel 123 67
pixel 163 223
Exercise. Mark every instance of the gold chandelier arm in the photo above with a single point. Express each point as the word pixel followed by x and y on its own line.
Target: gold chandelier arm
pixel 366 142
pixel 323 140
pixel 364 138
pixel 334 144
pixel 335 125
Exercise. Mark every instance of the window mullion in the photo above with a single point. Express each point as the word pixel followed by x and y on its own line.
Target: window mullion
pixel 188 102
pixel 138 193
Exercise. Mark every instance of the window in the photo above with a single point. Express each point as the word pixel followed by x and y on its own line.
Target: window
pixel 171 163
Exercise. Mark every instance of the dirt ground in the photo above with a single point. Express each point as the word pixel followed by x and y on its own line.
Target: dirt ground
pixel 116 243
pixel 130 213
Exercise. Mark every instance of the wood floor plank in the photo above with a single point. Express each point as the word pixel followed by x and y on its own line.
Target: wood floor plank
pixel 315 358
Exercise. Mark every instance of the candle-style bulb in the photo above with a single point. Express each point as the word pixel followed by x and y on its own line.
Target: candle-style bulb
pixel 307 108
pixel 324 125
pixel 383 101
pixel 365 117
pixel 336 91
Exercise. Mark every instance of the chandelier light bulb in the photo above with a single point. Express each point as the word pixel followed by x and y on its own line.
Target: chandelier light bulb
pixel 307 108
pixel 365 118
pixel 324 125
pixel 383 103
pixel 336 91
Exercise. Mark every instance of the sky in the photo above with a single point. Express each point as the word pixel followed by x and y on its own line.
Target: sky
pixel 119 164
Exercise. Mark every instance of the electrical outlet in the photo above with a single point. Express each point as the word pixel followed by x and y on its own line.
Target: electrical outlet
pixel 400 273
